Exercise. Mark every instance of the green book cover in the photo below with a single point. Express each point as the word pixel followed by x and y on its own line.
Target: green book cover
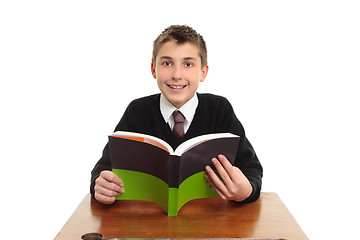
pixel 151 170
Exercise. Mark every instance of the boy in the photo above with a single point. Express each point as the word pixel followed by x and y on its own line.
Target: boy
pixel 179 64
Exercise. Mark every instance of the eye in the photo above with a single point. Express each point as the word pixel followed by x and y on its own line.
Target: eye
pixel 188 64
pixel 166 64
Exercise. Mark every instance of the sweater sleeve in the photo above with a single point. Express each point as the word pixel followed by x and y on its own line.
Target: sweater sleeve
pixel 246 158
pixel 105 163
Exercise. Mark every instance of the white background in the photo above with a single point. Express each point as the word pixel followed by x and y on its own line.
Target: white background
pixel 290 69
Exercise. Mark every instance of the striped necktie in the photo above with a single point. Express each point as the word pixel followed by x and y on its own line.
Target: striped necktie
pixel 179 119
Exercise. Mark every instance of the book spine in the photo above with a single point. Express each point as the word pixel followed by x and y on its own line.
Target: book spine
pixel 174 173
pixel 173 202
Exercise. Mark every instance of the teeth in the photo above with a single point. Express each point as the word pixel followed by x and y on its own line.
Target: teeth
pixel 177 87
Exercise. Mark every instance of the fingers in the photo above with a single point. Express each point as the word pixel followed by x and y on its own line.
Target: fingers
pixel 224 168
pixel 104 199
pixel 232 184
pixel 212 183
pixel 219 185
pixel 112 177
pixel 107 186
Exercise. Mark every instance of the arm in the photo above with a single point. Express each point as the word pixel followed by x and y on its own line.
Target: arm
pixel 247 167
pixel 106 185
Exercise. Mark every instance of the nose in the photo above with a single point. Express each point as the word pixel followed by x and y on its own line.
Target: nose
pixel 176 73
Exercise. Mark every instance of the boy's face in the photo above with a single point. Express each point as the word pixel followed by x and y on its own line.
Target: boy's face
pixel 178 71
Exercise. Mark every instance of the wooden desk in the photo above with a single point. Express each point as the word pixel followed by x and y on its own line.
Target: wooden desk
pixel 267 218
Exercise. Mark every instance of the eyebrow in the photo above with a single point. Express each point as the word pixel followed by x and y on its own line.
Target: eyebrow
pixel 190 58
pixel 186 58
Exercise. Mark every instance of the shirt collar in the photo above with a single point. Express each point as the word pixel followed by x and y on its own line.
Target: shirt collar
pixel 188 109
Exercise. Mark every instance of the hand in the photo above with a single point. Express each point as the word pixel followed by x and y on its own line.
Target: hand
pixel 234 184
pixel 107 186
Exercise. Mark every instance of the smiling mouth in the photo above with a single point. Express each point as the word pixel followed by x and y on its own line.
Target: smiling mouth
pixel 176 86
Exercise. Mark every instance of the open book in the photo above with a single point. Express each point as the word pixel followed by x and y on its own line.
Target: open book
pixel 151 170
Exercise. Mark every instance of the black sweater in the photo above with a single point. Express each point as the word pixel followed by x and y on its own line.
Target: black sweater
pixel 214 114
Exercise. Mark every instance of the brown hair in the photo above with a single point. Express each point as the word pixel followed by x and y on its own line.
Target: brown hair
pixel 181 34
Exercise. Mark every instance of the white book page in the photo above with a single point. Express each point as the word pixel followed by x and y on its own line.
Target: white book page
pixel 185 146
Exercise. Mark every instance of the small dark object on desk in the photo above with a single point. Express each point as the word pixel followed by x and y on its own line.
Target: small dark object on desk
pixel 92 236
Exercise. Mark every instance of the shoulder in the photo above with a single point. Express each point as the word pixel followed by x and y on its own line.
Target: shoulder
pixel 208 97
pixel 143 107
pixel 146 99
pixel 145 102
pixel 214 101
pixel 219 111
pixel 136 113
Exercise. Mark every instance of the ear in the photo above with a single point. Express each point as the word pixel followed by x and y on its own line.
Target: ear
pixel 204 73
pixel 153 72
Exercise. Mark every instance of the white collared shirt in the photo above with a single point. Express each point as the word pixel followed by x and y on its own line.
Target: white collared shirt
pixel 188 110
